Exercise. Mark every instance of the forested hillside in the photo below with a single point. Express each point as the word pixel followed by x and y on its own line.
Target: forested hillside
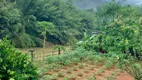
pixel 27 22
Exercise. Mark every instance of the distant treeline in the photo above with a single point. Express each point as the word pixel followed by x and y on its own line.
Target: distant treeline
pixel 27 22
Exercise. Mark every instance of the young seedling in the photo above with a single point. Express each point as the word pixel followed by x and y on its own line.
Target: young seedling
pixel 92 67
pixel 69 70
pixel 66 78
pixel 60 74
pixel 86 65
pixel 100 71
pixel 75 68
pixel 81 66
pixel 87 70
pixel 55 69
pixel 93 77
pixel 53 77
pixel 113 75
pixel 72 77
pixel 108 64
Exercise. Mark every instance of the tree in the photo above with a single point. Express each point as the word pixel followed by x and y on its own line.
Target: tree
pixel 45 27
pixel 10 23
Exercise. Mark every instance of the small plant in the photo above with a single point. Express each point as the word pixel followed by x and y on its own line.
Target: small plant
pixel 75 60
pixel 96 61
pixel 60 74
pixel 91 78
pixel 59 48
pixel 69 70
pixel 87 70
pixel 81 65
pixel 55 69
pixel 92 67
pixel 109 78
pixel 75 68
pixel 53 77
pixel 113 75
pixel 66 78
pixel 72 77
pixel 100 71
pixel 108 64
pixel 67 62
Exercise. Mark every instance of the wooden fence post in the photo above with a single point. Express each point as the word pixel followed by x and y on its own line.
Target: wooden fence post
pixel 43 55
pixel 32 54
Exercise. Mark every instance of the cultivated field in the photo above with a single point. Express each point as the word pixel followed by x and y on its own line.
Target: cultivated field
pixel 87 71
pixel 83 65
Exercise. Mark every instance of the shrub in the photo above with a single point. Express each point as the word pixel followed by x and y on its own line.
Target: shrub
pixel 14 65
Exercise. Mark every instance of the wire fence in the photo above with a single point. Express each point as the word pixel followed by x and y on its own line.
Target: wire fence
pixel 34 56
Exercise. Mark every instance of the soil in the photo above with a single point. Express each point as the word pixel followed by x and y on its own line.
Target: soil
pixel 125 76
pixel 87 71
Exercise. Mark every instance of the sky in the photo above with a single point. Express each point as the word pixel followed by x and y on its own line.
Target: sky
pixel 133 2
pixel 88 4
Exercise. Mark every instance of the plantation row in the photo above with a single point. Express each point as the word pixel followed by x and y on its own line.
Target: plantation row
pixel 82 64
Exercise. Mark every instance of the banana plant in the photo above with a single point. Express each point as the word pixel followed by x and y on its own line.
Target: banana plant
pixel 59 48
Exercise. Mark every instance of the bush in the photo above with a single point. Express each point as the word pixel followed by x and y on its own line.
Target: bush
pixel 14 65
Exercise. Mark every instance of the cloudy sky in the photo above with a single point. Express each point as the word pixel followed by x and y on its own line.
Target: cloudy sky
pixel 135 2
pixel 87 4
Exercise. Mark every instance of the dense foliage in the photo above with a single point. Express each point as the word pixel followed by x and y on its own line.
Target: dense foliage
pixel 14 65
pixel 25 21
pixel 119 30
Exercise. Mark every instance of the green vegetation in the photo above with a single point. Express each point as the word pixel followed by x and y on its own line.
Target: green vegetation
pixel 14 65
pixel 29 23
pixel 119 30
pixel 59 48
pixel 111 39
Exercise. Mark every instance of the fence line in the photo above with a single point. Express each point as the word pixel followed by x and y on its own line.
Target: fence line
pixel 41 56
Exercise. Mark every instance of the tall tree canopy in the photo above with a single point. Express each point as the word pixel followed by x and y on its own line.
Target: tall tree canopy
pixel 19 21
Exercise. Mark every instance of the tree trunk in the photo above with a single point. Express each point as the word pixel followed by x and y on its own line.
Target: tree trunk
pixel 44 41
pixel 59 51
